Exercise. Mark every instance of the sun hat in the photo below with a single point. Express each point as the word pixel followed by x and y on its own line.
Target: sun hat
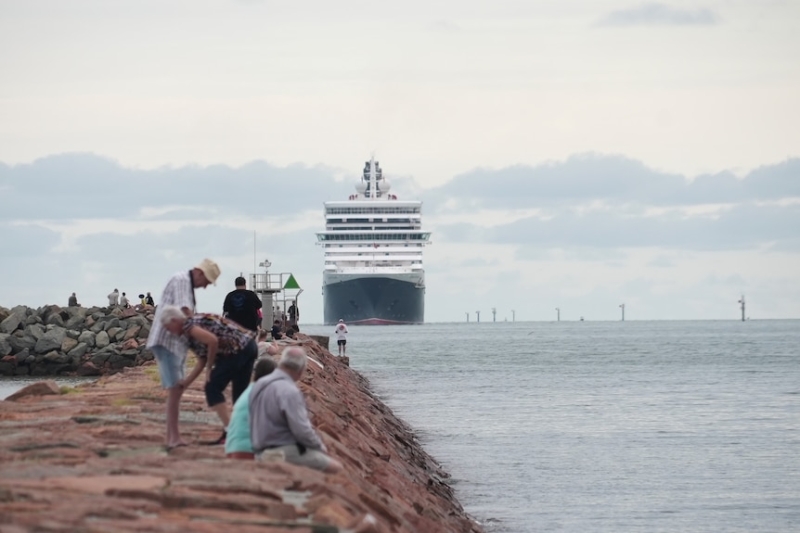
pixel 210 269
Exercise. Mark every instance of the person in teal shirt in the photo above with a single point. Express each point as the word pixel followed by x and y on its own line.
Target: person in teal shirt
pixel 237 444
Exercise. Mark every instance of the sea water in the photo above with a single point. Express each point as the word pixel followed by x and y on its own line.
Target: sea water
pixel 592 426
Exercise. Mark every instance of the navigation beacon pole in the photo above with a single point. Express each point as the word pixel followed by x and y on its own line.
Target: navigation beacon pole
pixel 513 316
pixel 494 314
pixel 479 315
pixel 742 306
pixel 622 306
pixel 467 316
pixel 558 314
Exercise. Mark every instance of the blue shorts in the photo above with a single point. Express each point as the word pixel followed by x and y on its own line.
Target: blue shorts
pixel 171 367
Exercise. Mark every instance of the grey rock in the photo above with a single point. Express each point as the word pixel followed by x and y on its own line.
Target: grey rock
pixel 5 346
pixel 118 362
pixel 21 342
pixel 102 340
pixel 79 350
pixel 112 332
pixel 51 340
pixel 97 315
pixel 129 354
pixel 68 344
pixel 99 359
pixel 55 319
pixel 120 336
pixel 73 334
pixel 75 322
pixel 87 337
pixel 22 355
pixel 22 370
pixel 56 357
pixel 31 320
pixel 36 331
pixel 30 360
pixel 97 327
pixel 10 324
pixel 112 323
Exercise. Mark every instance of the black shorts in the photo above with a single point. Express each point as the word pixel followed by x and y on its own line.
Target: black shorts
pixel 341 342
pixel 236 369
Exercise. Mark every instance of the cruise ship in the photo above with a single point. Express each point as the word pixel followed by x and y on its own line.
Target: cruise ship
pixel 373 256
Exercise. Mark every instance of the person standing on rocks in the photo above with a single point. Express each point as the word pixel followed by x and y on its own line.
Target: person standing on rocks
pixel 113 298
pixel 341 337
pixel 170 350
pixel 224 348
pixel 73 301
pixel 242 306
pixel 294 313
pixel 279 417
pixel 123 301
pixel 149 300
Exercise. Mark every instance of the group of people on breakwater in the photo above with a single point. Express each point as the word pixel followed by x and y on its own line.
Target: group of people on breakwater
pixel 117 300
pixel 269 416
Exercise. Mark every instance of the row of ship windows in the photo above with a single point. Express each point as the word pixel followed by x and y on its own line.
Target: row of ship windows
pixel 373 220
pixel 375 237
pixel 382 210
pixel 371 228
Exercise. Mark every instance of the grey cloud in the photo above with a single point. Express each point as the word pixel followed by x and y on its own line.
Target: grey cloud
pixel 656 14
pixel 189 243
pixel 26 240
pixel 590 177
pixel 739 228
pixel 89 186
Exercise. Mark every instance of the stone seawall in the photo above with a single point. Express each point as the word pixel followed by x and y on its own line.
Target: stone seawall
pixel 52 340
pixel 90 459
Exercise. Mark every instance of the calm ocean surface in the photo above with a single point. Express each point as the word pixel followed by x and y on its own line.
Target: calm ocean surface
pixel 602 426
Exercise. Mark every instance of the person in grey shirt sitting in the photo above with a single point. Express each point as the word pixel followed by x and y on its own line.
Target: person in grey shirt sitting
pixel 279 418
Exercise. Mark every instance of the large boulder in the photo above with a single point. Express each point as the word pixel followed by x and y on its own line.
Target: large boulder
pixel 21 342
pixel 132 332
pixel 111 323
pixel 35 330
pixel 56 357
pixel 75 322
pixel 12 322
pixel 112 333
pixel 51 340
pixel 78 351
pixel 5 346
pixel 102 340
pixel 87 337
pixel 68 344
pixel 22 355
pixel 40 388
pixel 55 319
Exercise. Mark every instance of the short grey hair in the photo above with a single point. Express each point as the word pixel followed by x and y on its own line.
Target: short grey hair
pixel 293 358
pixel 171 312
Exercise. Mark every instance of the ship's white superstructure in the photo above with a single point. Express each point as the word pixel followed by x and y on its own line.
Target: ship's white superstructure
pixel 373 235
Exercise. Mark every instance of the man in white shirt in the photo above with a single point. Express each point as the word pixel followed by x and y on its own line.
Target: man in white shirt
pixel 113 298
pixel 341 336
pixel 170 350
pixel 123 301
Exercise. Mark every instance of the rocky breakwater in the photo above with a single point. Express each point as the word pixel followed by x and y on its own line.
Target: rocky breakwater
pixel 90 459
pixel 55 340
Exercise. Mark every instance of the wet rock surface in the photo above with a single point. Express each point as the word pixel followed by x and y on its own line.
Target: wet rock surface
pixel 91 459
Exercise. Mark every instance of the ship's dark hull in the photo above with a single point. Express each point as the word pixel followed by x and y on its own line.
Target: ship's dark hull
pixel 374 300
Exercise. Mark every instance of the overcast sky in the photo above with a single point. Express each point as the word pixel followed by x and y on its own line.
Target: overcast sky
pixel 572 154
